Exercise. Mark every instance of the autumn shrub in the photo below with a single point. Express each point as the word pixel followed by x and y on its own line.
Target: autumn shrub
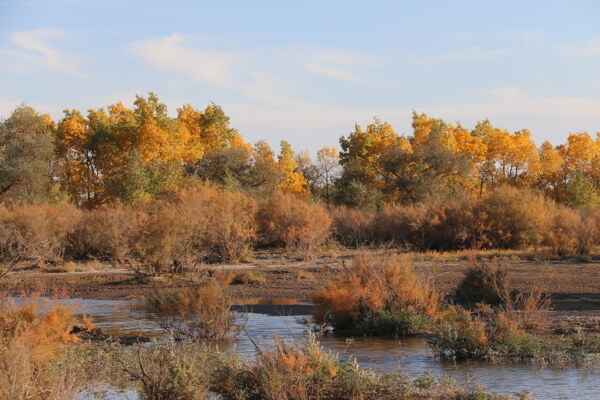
pixel 513 217
pixel 165 241
pixel 484 282
pixel 466 334
pixel 229 229
pixel 245 277
pixel 487 283
pixel 352 227
pixel 285 220
pixel 201 313
pixel 404 225
pixel 104 233
pixel 462 225
pixel 36 232
pixel 561 237
pixel 204 223
pixel 169 371
pixel 30 339
pixel 287 371
pixel 383 297
pixel 587 231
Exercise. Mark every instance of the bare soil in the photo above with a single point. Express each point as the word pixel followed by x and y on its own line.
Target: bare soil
pixel 574 286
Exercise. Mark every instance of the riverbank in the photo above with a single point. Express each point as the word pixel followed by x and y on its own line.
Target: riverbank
pixel 574 285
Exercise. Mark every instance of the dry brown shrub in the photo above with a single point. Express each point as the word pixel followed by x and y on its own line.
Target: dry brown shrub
pixel 29 339
pixel 230 222
pixel 301 226
pixel 534 309
pixel 587 231
pixel 487 283
pixel 352 226
pixel 514 217
pixel 104 233
pixel 202 223
pixel 404 224
pixel 201 313
pixel 245 277
pixel 561 237
pixel 369 287
pixel 36 232
pixel 484 282
pixel 284 372
pixel 462 227
pixel 166 239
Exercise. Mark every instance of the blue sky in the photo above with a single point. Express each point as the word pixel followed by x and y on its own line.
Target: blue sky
pixel 307 71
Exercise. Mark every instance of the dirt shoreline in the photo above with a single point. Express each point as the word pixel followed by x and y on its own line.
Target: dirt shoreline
pixel 574 286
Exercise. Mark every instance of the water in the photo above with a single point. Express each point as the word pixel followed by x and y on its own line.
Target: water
pixel 408 355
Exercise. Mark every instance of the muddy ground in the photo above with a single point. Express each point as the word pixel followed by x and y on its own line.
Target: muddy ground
pixel 574 286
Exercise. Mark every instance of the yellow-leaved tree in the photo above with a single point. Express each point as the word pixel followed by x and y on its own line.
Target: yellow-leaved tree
pixel 292 181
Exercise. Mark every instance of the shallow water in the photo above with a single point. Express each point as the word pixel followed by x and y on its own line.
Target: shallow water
pixel 408 355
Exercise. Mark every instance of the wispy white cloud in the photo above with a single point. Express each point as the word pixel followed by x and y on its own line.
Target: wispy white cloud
pixel 260 76
pixel 549 118
pixel 333 63
pixel 466 35
pixel 35 52
pixel 171 54
pixel 589 49
pixel 474 53
pixel 525 37
pixel 236 72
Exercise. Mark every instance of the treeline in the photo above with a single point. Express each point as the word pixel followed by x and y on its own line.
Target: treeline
pixel 137 184
pixel 134 155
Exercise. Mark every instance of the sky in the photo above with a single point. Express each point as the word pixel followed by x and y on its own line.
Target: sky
pixel 307 71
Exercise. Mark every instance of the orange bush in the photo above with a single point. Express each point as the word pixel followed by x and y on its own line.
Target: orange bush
pixel 561 237
pixel 352 226
pixel 28 340
pixel 369 288
pixel 404 224
pixel 201 223
pixel 201 313
pixel 36 232
pixel 44 331
pixel 514 217
pixel 587 231
pixel 104 233
pixel 299 225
